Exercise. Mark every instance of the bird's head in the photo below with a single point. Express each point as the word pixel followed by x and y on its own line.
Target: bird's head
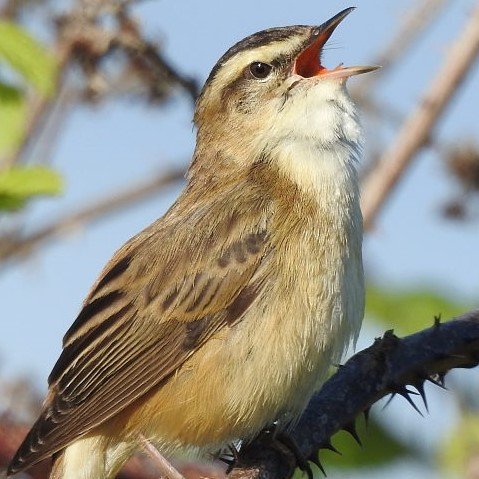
pixel 271 85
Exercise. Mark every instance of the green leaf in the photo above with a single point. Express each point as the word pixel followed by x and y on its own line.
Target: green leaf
pixel 409 311
pixel 28 57
pixel 27 181
pixel 11 203
pixel 13 114
pixel 19 184
pixel 379 448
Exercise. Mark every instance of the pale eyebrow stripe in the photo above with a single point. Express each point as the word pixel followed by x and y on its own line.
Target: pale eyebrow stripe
pixel 256 40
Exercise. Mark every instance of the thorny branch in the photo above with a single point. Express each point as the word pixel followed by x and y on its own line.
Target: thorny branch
pixel 416 130
pixel 391 363
pixel 387 367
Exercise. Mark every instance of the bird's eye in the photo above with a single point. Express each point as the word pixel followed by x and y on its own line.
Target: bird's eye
pixel 260 70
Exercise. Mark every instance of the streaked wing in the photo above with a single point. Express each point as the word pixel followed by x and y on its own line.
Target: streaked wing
pixel 154 305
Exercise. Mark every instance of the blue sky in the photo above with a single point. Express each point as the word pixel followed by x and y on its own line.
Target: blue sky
pixel 107 147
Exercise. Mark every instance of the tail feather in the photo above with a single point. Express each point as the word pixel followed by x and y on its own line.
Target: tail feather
pixel 30 452
pixel 96 456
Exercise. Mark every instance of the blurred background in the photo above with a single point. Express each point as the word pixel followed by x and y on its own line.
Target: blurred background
pixel 96 101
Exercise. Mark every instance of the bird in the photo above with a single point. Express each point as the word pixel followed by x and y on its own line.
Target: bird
pixel 224 315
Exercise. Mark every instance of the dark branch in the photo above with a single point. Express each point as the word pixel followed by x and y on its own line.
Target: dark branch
pixel 387 367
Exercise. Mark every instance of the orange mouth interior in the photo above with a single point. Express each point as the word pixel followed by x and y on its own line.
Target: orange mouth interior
pixel 308 62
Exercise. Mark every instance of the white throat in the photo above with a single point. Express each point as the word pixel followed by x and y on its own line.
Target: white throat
pixel 317 140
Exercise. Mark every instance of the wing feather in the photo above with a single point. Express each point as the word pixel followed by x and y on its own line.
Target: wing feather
pixel 136 329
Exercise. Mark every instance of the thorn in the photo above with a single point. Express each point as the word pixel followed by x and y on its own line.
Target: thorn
pixel 389 401
pixel 390 336
pixel 424 375
pixel 437 320
pixel 314 458
pixel 290 444
pixel 329 447
pixel 366 415
pixel 402 390
pixel 405 393
pixel 309 472
pixel 351 428
pixel 409 391
pixel 438 382
pixel 419 385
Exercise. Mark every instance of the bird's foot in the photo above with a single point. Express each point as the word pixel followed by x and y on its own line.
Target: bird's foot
pixel 285 444
pixel 230 458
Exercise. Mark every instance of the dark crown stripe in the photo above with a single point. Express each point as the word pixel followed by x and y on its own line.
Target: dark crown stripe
pixel 256 40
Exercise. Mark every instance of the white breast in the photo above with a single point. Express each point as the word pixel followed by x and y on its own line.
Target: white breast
pixel 313 305
pixel 318 150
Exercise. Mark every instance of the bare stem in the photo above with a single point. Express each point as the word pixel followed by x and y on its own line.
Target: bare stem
pixel 163 465
pixel 18 246
pixel 416 130
pixel 416 20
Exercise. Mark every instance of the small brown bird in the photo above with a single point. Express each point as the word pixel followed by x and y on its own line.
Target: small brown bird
pixel 225 314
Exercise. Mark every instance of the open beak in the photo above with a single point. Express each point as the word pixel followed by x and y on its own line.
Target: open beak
pixel 308 62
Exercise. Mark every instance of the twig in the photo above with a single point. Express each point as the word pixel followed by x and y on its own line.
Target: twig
pixel 42 150
pixel 149 57
pixel 39 108
pixel 417 128
pixel 157 62
pixel 163 465
pixel 83 39
pixel 16 247
pixel 386 367
pixel 416 20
